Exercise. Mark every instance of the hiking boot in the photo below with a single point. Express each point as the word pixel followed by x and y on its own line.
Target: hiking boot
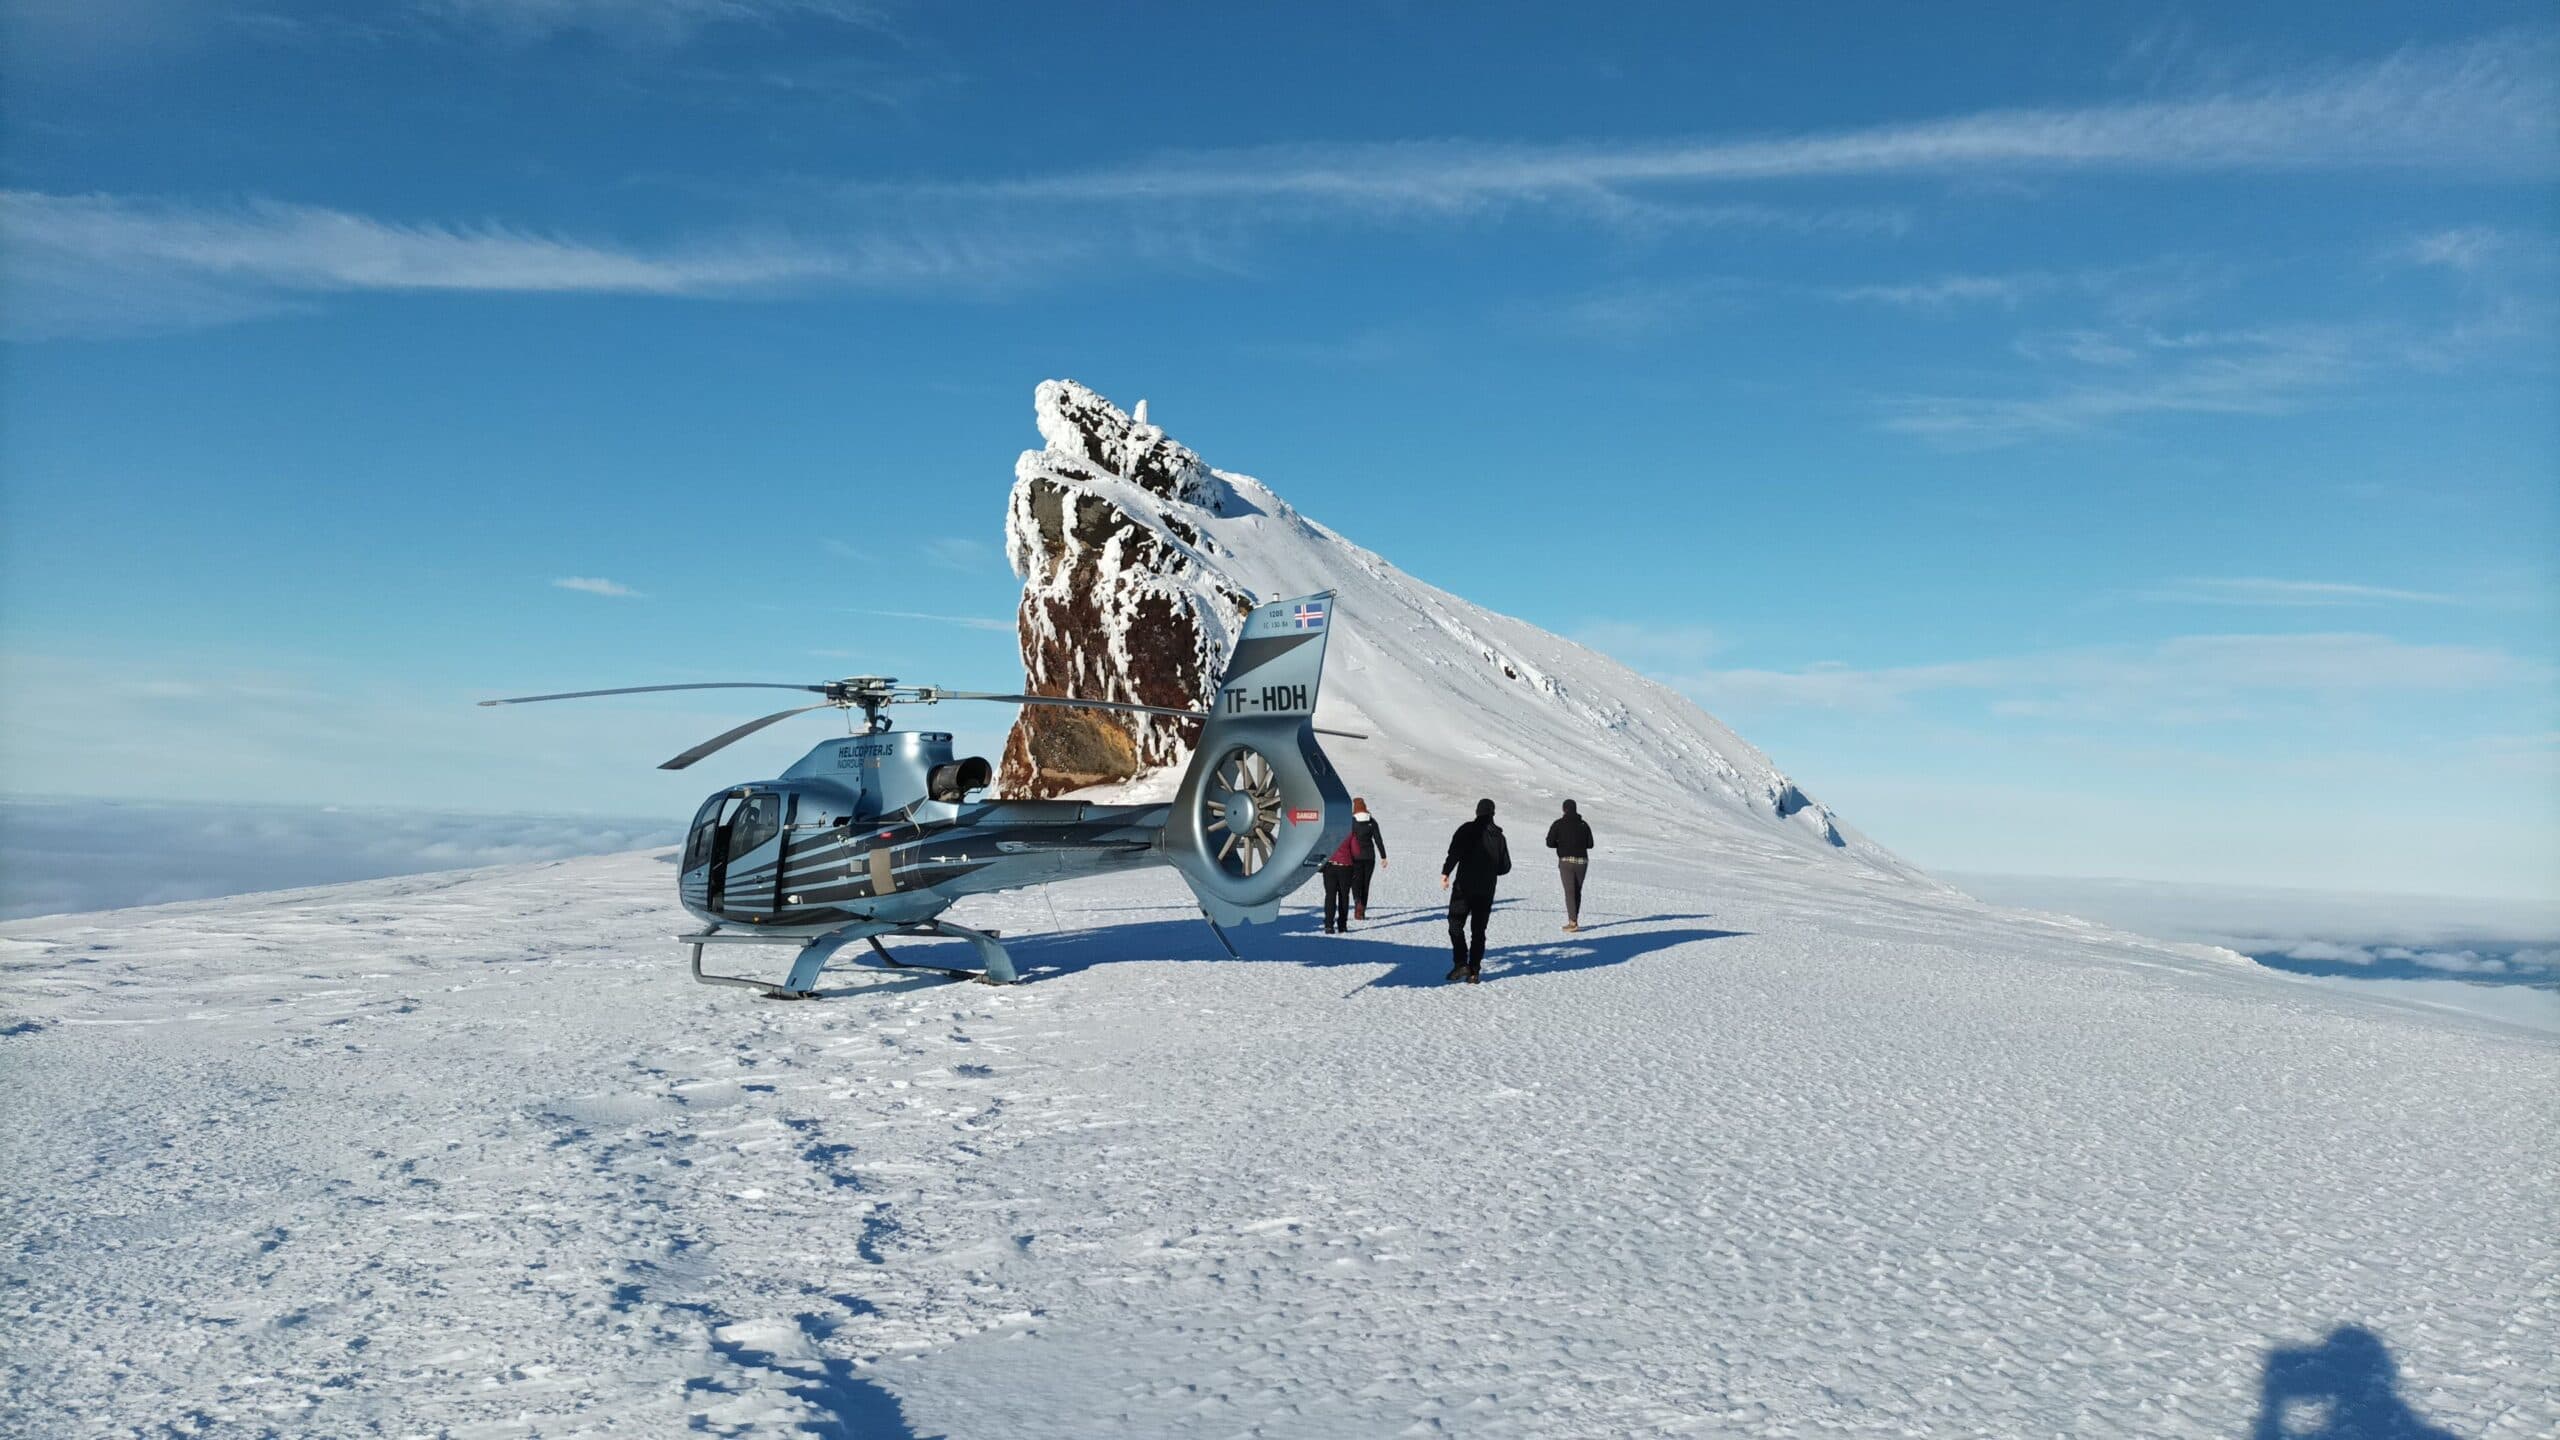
pixel 1359 912
pixel 1475 977
pixel 1457 973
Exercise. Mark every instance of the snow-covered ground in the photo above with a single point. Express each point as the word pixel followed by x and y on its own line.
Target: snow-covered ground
pixel 1771 1148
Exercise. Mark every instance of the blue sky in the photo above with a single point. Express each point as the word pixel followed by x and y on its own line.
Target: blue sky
pixel 2101 440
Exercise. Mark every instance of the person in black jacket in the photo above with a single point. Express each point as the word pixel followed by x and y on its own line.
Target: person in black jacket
pixel 1373 853
pixel 1570 838
pixel 1478 855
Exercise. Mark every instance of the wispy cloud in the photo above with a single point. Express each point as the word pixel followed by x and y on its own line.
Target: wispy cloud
pixel 2482 108
pixel 654 22
pixel 955 553
pixel 2135 295
pixel 2269 371
pixel 2187 678
pixel 300 247
pixel 1636 310
pixel 595 585
pixel 2259 590
pixel 965 622
pixel 99 263
pixel 2125 294
pixel 2461 247
pixel 1947 290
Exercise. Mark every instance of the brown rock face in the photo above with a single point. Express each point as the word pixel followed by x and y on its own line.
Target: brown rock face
pixel 1122 598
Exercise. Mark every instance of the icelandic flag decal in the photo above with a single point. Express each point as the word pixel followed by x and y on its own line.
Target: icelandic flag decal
pixel 1309 616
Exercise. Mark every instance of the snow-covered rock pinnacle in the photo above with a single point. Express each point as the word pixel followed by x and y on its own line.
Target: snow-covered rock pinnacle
pixel 1122 596
pixel 1138 560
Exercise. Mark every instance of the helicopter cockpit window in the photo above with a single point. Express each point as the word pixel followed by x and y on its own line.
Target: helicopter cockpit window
pixel 759 819
pixel 697 841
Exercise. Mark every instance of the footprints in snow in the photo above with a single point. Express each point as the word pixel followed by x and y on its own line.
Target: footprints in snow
pixel 720 1160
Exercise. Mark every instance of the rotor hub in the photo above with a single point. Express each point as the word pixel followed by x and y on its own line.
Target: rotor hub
pixel 870 694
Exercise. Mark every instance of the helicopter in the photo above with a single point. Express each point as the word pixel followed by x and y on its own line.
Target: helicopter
pixel 877 834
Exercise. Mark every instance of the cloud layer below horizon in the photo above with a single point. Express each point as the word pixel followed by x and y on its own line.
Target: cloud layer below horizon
pixel 77 855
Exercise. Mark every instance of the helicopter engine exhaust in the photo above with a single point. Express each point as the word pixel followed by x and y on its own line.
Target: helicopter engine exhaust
pixel 1260 805
pixel 954 782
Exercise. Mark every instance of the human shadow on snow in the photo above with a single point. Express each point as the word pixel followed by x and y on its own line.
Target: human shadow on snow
pixel 2345 1388
pixel 1413 962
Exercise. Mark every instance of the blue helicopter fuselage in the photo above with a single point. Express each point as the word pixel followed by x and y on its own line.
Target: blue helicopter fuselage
pixel 879 828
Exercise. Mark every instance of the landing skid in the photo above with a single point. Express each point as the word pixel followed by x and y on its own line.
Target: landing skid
pixel 894 963
pixel 801 983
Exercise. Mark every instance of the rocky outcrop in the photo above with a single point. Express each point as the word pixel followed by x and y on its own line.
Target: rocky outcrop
pixel 1122 597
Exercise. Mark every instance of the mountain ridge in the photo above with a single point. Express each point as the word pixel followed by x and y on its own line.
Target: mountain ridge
pixel 1137 557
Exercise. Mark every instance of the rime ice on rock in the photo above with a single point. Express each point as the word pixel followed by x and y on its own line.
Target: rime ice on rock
pixel 1122 597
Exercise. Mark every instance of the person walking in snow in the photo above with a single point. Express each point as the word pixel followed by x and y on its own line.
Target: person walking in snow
pixel 1478 856
pixel 1337 882
pixel 1373 853
pixel 1570 838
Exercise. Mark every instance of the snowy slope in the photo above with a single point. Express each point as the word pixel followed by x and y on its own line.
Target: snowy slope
pixel 1135 552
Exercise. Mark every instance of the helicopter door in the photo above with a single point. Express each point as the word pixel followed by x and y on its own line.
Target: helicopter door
pixel 702 849
pixel 752 865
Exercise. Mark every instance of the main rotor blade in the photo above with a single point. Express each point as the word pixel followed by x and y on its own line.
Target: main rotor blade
pixel 645 689
pixel 741 733
pixel 1067 701
pixel 1072 703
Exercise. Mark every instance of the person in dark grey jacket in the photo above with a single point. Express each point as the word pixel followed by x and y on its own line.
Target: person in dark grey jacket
pixel 1573 844
pixel 1570 838
pixel 1478 856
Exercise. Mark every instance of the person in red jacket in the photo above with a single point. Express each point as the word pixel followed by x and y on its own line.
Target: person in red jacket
pixel 1337 883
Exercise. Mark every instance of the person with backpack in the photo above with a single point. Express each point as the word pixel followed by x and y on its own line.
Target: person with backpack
pixel 1337 883
pixel 1373 853
pixel 1478 856
pixel 1570 838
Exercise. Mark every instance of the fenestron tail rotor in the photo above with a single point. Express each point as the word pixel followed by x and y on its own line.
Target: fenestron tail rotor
pixel 1240 811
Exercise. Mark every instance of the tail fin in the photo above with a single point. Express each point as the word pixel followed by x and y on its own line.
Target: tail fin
pixel 1261 806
